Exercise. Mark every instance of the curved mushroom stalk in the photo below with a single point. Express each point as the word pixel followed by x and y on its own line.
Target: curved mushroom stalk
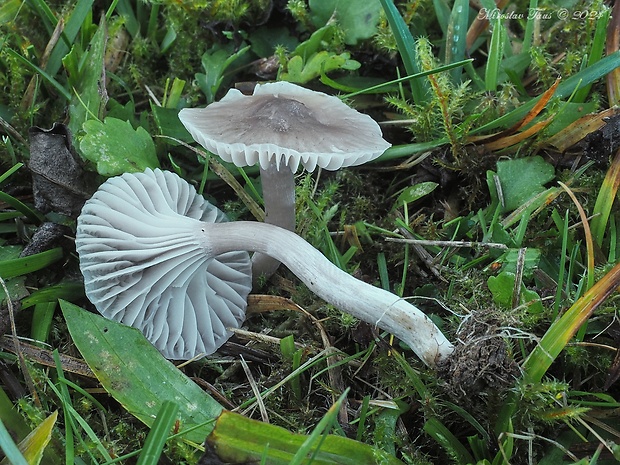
pixel 364 301
pixel 139 248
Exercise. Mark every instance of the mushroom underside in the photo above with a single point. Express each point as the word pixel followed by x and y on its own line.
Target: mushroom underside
pixel 144 267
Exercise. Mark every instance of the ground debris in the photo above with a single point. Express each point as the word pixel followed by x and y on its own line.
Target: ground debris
pixel 59 182
pixel 482 367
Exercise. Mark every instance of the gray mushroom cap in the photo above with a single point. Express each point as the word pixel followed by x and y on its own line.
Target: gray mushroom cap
pixel 144 266
pixel 285 123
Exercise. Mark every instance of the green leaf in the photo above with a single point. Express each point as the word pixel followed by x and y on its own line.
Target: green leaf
pixel 413 193
pixel 357 18
pixel 133 372
pixel 169 124
pixel 237 439
pixel 522 179
pixel 502 288
pixel 116 147
pixel 312 58
pixel 510 258
pixel 385 427
pixel 301 72
pixel 86 80
pixel 215 61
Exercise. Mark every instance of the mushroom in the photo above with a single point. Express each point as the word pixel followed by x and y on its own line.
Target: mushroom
pixel 280 126
pixel 146 253
pixel 143 266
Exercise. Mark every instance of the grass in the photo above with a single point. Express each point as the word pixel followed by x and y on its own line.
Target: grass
pixel 494 210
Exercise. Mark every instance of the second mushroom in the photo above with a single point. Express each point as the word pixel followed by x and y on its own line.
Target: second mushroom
pixel 154 256
pixel 281 126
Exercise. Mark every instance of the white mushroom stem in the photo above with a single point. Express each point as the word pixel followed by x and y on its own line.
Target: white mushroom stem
pixel 364 301
pixel 279 197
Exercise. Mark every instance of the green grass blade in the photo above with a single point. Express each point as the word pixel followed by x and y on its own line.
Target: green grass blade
pixel 406 47
pixel 44 12
pixel 529 27
pixel 442 13
pixel 124 8
pixel 10 449
pixel 24 265
pixel 157 437
pixel 42 321
pixel 496 53
pixel 319 433
pixel 361 427
pixel 439 69
pixel 7 174
pixel 46 76
pixel 562 330
pixel 605 200
pixel 65 290
pixel 444 437
pixel 72 27
pixel 21 207
pixel 562 266
pixel 73 418
pixel 456 35
pixel 596 51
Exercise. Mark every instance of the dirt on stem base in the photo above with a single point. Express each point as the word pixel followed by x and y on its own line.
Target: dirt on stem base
pixel 481 369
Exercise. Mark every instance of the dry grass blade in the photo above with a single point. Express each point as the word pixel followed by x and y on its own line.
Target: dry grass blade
pixel 255 390
pixel 480 24
pixel 20 355
pixel 612 44
pixel 46 358
pixel 533 113
pixel 579 129
pixel 519 137
pixel 587 233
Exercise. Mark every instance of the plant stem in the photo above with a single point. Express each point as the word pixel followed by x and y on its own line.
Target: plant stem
pixel 364 301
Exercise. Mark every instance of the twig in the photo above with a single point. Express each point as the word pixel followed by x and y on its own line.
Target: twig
pixel 20 356
pixel 490 245
pixel 255 390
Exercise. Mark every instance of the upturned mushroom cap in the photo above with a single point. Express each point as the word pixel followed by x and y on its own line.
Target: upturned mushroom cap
pixel 145 267
pixel 285 123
